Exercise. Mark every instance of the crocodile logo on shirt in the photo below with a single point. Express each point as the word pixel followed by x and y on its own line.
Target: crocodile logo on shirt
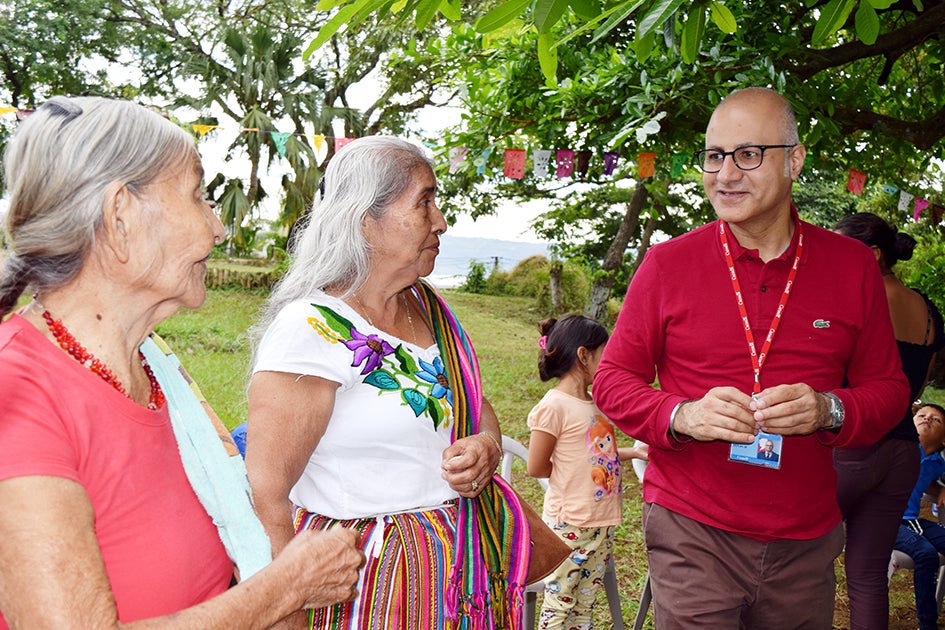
pixel 821 323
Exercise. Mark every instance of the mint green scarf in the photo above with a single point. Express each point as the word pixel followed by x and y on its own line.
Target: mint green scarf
pixel 217 476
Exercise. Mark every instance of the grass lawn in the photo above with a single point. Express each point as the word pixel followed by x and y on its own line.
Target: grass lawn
pixel 213 345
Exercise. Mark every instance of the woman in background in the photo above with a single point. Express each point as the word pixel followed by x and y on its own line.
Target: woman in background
pixel 874 483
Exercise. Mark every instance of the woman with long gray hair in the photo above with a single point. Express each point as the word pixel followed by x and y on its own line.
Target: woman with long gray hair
pixel 366 409
pixel 121 500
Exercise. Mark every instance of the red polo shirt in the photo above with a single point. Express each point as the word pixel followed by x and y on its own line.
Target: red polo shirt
pixel 680 322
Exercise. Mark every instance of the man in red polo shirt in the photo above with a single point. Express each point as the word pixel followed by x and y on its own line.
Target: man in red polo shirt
pixel 756 326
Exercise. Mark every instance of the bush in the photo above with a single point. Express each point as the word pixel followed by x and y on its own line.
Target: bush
pixel 476 278
pixel 532 278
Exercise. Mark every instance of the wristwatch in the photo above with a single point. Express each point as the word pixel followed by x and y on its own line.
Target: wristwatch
pixel 836 412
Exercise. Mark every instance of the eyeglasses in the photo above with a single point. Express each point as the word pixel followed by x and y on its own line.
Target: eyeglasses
pixel 746 158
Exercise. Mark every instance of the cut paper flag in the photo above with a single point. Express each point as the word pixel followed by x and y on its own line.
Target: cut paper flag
pixel 890 190
pixel 610 162
pixel 646 165
pixel 319 141
pixel 457 157
pixel 202 130
pixel 279 139
pixel 541 157
pixel 581 162
pixel 856 181
pixel 920 205
pixel 678 164
pixel 340 142
pixel 905 200
pixel 514 163
pixel 564 158
pixel 482 160
pixel 937 213
pixel 7 110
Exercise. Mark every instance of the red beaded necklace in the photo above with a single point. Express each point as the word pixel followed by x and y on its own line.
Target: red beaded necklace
pixel 69 343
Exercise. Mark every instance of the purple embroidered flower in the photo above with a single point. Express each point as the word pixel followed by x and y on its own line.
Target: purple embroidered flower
pixel 436 374
pixel 369 349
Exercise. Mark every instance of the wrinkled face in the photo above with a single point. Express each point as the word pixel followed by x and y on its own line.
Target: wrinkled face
pixel 762 195
pixel 173 253
pixel 406 240
pixel 930 425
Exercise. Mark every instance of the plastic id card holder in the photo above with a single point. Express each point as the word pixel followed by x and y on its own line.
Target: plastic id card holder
pixel 765 451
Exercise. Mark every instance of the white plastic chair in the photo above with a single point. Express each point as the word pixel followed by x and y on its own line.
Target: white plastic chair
pixel 511 449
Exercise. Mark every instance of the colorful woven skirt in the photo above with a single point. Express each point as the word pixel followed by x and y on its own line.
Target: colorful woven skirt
pixel 405 577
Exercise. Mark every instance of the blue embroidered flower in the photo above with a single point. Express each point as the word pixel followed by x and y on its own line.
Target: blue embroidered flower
pixel 436 375
pixel 369 349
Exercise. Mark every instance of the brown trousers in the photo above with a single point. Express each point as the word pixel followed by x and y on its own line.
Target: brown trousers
pixel 704 577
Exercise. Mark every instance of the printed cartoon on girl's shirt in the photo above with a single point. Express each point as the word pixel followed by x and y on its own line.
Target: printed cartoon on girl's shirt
pixel 605 463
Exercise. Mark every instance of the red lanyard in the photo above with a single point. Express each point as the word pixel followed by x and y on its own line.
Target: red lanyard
pixel 758 360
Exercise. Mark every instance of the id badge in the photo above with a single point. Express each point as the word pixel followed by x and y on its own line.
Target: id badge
pixel 765 451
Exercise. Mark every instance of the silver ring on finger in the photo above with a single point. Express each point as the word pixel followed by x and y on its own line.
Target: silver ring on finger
pixel 475 485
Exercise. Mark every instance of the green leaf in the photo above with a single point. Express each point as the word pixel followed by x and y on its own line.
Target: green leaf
pixel 692 35
pixel 407 363
pixel 879 5
pixel 548 59
pixel 426 9
pixel 451 10
pixel 867 23
pixel 329 29
pixel 617 15
pixel 586 9
pixel 832 17
pixel 661 11
pixel 328 5
pixel 500 15
pixel 644 46
pixel 547 12
pixel 335 321
pixel 435 412
pixel 723 18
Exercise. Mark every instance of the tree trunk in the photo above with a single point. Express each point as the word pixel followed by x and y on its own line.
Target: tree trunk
pixel 647 235
pixel 555 274
pixel 600 291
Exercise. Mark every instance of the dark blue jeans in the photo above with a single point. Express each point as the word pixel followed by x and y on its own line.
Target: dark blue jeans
pixel 923 548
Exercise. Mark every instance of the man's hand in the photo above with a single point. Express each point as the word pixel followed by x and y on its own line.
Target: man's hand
pixel 790 410
pixel 722 414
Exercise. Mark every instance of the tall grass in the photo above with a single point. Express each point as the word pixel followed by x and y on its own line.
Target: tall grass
pixel 212 344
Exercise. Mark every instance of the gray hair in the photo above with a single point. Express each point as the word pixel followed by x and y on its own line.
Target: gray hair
pixel 365 177
pixel 58 167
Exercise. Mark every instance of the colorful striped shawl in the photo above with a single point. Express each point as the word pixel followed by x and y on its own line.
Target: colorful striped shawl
pixel 492 552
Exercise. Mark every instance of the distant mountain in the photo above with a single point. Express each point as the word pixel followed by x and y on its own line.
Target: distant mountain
pixel 456 253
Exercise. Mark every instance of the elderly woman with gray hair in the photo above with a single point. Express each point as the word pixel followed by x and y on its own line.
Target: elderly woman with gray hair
pixel 120 504
pixel 366 408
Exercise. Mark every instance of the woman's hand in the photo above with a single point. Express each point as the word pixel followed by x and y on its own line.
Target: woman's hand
pixel 469 463
pixel 323 565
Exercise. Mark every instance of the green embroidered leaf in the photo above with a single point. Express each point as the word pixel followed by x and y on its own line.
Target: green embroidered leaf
pixel 382 379
pixel 335 321
pixel 416 400
pixel 405 361
pixel 435 411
